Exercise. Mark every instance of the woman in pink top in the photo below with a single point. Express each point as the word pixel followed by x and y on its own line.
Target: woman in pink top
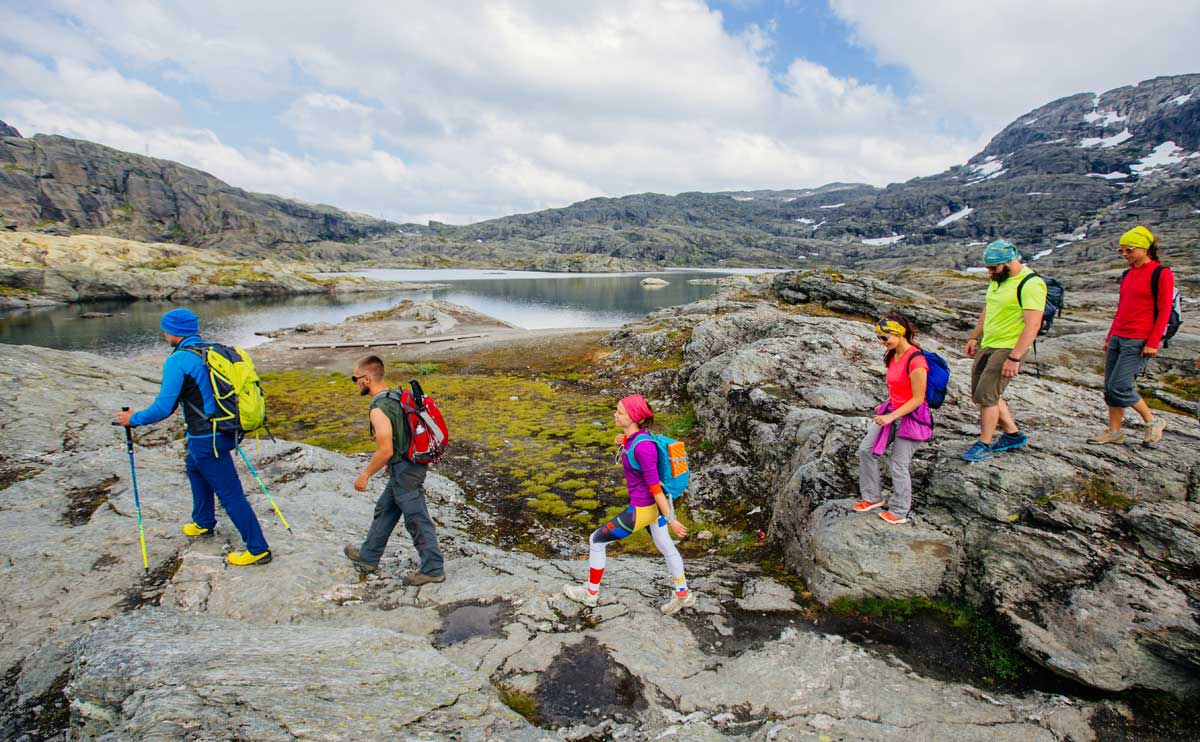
pixel 902 422
pixel 649 507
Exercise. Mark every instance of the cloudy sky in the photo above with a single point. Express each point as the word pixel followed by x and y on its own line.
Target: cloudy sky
pixel 459 111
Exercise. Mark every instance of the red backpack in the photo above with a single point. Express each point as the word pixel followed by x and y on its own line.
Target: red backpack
pixel 428 435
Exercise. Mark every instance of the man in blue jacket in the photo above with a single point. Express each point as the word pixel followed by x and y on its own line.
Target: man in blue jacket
pixel 209 460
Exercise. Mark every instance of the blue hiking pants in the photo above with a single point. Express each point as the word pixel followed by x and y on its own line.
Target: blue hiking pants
pixel 213 473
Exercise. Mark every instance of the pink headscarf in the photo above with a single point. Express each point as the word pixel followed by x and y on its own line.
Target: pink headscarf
pixel 637 408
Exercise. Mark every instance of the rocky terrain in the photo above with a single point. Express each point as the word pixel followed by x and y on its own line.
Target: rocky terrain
pixel 1088 553
pixel 71 185
pixel 41 269
pixel 303 648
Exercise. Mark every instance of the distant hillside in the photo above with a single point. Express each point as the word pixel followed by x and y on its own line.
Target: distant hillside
pixel 1078 169
pixel 66 185
pixel 1060 181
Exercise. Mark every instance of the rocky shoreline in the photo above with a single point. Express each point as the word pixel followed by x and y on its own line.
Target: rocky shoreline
pixel 1088 556
pixel 47 270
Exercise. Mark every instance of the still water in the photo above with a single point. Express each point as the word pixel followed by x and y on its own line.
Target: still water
pixel 525 299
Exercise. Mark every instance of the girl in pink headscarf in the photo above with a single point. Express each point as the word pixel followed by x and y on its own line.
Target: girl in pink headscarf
pixel 649 507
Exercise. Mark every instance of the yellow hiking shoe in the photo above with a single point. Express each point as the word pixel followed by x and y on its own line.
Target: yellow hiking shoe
pixel 195 531
pixel 245 558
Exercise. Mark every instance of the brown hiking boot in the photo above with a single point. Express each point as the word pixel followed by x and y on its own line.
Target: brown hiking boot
pixel 1153 431
pixel 1107 436
pixel 420 578
pixel 352 554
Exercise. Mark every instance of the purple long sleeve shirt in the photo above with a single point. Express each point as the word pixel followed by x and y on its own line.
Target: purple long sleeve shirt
pixel 639 482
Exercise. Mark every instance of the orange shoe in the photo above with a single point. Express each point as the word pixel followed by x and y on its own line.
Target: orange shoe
pixel 890 518
pixel 863 506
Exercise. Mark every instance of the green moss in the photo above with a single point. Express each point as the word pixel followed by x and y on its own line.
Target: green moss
pixel 541 446
pixel 679 424
pixel 585 503
pixel 16 291
pixel 160 264
pixel 1187 387
pixel 525 704
pixel 231 276
pixel 1098 490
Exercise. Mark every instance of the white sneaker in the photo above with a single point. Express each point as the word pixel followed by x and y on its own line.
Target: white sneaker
pixel 581 594
pixel 677 603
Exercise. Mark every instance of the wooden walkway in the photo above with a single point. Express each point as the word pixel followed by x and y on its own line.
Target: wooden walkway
pixel 375 343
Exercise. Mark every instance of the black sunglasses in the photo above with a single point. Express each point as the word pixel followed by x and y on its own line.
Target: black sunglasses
pixel 354 379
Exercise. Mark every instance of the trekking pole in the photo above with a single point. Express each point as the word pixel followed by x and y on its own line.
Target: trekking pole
pixel 264 489
pixel 136 502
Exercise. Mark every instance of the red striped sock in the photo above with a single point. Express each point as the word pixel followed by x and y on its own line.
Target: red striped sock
pixel 594 576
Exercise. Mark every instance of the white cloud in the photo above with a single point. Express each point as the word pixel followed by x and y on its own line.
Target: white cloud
pixel 996 60
pixel 92 91
pixel 406 110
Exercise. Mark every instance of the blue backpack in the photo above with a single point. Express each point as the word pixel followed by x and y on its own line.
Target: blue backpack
pixel 672 462
pixel 936 380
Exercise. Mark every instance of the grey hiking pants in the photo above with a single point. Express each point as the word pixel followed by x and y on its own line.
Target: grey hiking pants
pixel 899 457
pixel 1122 363
pixel 404 496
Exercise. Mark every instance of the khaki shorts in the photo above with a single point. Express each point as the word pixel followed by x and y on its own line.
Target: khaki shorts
pixel 987 381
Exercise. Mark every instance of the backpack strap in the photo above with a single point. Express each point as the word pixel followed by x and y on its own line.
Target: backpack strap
pixel 1157 274
pixel 629 446
pixel 1021 285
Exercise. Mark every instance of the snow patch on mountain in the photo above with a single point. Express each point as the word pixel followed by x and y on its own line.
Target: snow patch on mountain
pixel 961 214
pixel 1105 142
pixel 1104 118
pixel 884 240
pixel 1165 154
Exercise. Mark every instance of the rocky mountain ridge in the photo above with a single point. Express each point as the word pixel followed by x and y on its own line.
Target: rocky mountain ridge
pixel 1061 181
pixel 57 183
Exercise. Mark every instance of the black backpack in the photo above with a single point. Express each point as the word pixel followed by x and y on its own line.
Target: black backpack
pixel 1176 318
pixel 1056 295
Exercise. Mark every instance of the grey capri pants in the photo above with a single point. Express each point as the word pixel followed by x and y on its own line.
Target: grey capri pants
pixel 1122 364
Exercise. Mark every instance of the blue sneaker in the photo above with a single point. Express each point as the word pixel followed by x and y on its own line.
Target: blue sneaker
pixel 1009 441
pixel 979 451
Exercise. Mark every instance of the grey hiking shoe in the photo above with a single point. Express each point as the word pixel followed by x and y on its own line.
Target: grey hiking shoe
pixel 352 554
pixel 676 603
pixel 1108 436
pixel 420 578
pixel 582 595
pixel 1154 431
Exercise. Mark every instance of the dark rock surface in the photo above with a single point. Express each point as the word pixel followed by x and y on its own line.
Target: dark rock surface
pixel 8 131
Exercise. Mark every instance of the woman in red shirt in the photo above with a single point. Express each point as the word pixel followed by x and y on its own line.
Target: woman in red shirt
pixel 1135 334
pixel 902 422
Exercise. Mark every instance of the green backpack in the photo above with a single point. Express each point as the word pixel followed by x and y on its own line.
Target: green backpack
pixel 241 407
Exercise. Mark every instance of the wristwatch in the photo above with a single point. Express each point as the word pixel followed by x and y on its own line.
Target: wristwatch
pixel 1014 360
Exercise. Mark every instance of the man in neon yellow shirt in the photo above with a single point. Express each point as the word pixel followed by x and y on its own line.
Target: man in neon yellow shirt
pixel 1007 327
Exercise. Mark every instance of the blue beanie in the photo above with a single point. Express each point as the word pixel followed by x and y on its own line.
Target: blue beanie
pixel 180 322
pixel 1000 252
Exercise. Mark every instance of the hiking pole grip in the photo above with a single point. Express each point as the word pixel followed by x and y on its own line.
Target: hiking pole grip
pixel 418 393
pixel 128 430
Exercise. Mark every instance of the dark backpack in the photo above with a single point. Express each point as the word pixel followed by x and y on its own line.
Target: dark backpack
pixel 1176 318
pixel 1056 295
pixel 936 379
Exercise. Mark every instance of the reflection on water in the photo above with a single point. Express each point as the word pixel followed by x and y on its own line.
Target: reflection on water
pixel 531 301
